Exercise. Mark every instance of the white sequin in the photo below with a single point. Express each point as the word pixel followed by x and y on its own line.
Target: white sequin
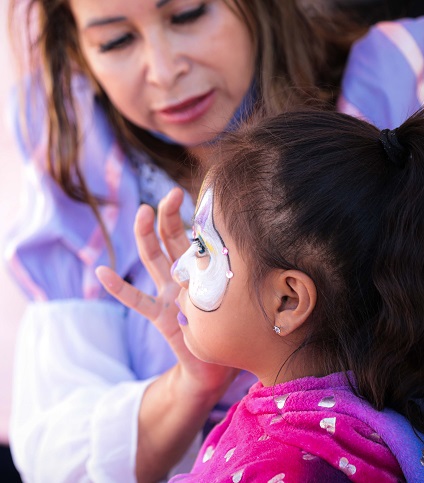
pixel 276 419
pixel 229 454
pixel 327 402
pixel 237 476
pixel 308 456
pixel 264 437
pixel 277 478
pixel 346 467
pixel 208 453
pixel 329 424
pixel 280 401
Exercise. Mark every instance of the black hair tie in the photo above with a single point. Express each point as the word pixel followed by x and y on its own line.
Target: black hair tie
pixel 396 153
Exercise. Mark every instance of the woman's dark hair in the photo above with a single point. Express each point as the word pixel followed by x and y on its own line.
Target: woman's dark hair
pixel 301 53
pixel 317 192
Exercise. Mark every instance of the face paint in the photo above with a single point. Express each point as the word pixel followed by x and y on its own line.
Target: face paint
pixel 205 265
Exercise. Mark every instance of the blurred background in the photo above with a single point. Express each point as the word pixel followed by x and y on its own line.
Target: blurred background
pixel 12 302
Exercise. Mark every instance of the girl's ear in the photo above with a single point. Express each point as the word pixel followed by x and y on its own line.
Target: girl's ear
pixel 294 298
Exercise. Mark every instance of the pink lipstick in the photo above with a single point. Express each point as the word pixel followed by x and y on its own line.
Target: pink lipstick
pixel 188 110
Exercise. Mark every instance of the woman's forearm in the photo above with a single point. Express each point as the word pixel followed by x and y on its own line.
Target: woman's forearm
pixel 170 416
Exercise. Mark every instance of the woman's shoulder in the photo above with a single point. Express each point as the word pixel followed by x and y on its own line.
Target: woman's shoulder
pixel 29 114
pixel 383 80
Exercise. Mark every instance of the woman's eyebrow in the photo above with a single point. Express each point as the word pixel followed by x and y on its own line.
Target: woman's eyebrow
pixel 162 3
pixel 96 22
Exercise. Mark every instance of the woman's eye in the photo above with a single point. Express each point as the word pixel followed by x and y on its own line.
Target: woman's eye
pixel 201 248
pixel 117 43
pixel 189 15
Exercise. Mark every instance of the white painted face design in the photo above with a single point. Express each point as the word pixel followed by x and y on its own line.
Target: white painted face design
pixel 205 265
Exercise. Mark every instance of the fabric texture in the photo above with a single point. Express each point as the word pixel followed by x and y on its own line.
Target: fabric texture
pixel 384 78
pixel 310 429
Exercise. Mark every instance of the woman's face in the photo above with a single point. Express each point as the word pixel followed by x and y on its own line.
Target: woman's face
pixel 178 67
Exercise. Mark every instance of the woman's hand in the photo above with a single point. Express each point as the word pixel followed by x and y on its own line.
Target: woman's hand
pixel 198 376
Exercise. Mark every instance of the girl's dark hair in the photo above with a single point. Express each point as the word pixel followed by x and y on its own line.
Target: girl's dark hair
pixel 317 192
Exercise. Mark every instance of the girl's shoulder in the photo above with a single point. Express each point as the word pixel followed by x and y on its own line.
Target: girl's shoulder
pixel 312 426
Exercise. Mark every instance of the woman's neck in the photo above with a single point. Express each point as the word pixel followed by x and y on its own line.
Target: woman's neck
pixel 202 153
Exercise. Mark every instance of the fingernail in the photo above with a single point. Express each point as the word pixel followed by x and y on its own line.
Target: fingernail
pixel 182 319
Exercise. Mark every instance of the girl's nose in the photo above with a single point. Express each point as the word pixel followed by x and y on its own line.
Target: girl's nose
pixel 164 62
pixel 180 274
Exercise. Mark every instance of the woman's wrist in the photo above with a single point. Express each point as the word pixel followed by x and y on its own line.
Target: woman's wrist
pixel 204 390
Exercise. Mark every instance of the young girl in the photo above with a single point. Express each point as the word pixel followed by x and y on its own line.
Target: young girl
pixel 306 269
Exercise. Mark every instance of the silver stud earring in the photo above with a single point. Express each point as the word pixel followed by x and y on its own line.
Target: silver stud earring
pixel 277 329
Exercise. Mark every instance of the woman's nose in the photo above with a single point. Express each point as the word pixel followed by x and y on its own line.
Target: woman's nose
pixel 164 61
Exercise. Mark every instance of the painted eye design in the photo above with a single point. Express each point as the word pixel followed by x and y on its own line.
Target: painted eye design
pixel 202 251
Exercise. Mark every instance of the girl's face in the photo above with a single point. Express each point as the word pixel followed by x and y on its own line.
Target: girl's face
pixel 178 67
pixel 220 317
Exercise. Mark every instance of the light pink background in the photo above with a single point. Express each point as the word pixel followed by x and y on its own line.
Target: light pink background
pixel 12 302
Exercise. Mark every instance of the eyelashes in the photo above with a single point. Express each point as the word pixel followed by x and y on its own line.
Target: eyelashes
pixel 201 247
pixel 118 43
pixel 190 15
pixel 187 17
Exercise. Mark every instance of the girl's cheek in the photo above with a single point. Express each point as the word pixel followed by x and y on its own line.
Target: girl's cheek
pixel 202 263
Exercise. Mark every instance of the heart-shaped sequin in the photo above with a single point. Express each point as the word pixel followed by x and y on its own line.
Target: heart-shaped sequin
pixel 308 456
pixel 276 419
pixel 346 467
pixel 327 402
pixel 329 424
pixel 229 454
pixel 264 437
pixel 277 478
pixel 281 400
pixel 208 453
pixel 237 476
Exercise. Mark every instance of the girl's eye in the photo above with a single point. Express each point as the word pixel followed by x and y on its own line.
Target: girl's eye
pixel 189 15
pixel 118 43
pixel 201 248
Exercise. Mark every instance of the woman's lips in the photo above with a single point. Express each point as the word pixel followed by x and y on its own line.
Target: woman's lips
pixel 187 111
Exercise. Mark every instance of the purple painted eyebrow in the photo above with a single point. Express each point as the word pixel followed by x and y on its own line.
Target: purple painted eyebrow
pixel 202 215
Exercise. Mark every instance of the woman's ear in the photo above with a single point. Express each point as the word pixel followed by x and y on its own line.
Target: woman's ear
pixel 294 298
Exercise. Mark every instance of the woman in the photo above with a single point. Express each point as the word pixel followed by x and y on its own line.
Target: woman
pixel 129 96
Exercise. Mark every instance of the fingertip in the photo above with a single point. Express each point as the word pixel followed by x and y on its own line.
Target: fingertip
pixel 110 280
pixel 174 200
pixel 176 193
pixel 144 210
pixel 144 219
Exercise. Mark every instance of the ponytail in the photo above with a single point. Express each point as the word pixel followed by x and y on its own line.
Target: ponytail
pixel 398 274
